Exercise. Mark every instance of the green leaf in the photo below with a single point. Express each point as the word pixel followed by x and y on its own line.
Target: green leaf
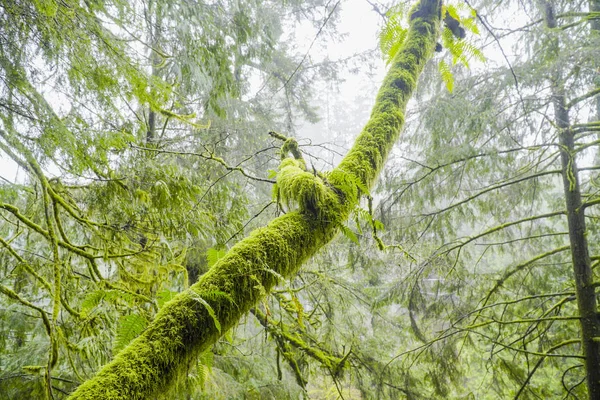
pixel 128 328
pixel 213 255
pixel 210 310
pixel 451 9
pixel 349 233
pixel 446 74
pixel 392 35
pixel 164 297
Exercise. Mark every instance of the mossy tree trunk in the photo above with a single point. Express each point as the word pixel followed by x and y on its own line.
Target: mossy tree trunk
pixel 582 268
pixel 197 317
pixel 595 27
pixel 580 257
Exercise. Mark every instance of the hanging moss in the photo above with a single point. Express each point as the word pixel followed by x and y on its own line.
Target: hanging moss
pixel 197 317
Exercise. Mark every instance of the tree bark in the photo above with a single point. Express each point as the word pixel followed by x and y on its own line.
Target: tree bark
pixel 582 270
pixel 197 317
pixel 584 287
pixel 154 21
pixel 594 7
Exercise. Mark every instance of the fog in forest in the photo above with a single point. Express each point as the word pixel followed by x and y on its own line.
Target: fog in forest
pixel 349 199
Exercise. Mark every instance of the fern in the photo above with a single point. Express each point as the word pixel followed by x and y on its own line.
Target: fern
pixel 393 34
pixel 452 10
pixel 469 51
pixel 164 296
pixel 93 299
pixel 204 368
pixel 347 232
pixel 210 310
pixel 470 24
pixel 349 183
pixel 128 328
pixel 446 74
pixel 460 48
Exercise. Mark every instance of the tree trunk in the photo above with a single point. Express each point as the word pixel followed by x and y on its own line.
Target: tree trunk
pixel 155 37
pixel 197 317
pixel 582 270
pixel 595 28
pixel 586 293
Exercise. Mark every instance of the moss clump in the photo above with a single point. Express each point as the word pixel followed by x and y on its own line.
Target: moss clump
pixel 296 186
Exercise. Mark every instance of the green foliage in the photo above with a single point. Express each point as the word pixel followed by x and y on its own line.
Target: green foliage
pixel 446 75
pixel 213 255
pixel 393 34
pixel 252 267
pixel 128 328
pixel 476 258
pixel 112 111
pixel 477 197
pixel 461 50
pixel 348 233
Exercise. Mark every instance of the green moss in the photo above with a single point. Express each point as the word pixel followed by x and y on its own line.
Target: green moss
pixel 367 156
pixel 296 186
pixel 291 146
pixel 186 326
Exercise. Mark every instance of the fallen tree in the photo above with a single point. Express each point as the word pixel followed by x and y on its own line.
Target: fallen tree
pixel 197 317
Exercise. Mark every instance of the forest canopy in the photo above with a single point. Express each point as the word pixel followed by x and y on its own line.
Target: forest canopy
pixel 193 207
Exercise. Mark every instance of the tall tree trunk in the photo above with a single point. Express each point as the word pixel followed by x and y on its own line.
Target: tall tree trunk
pixel 582 270
pixel 154 21
pixel 595 27
pixel 595 7
pixel 586 292
pixel 197 317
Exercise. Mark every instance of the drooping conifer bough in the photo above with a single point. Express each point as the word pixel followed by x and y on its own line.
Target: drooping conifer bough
pixel 197 317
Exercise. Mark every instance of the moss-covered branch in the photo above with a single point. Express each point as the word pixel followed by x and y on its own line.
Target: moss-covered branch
pixel 332 362
pixel 197 317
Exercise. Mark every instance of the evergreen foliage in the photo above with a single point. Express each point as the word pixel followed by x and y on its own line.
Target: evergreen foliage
pixel 151 242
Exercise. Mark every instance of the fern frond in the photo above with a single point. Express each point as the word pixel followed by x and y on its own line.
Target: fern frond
pixel 93 299
pixel 164 296
pixel 392 35
pixel 128 328
pixel 349 233
pixel 204 368
pixel 452 10
pixel 210 310
pixel 470 24
pixel 470 51
pixel 446 74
